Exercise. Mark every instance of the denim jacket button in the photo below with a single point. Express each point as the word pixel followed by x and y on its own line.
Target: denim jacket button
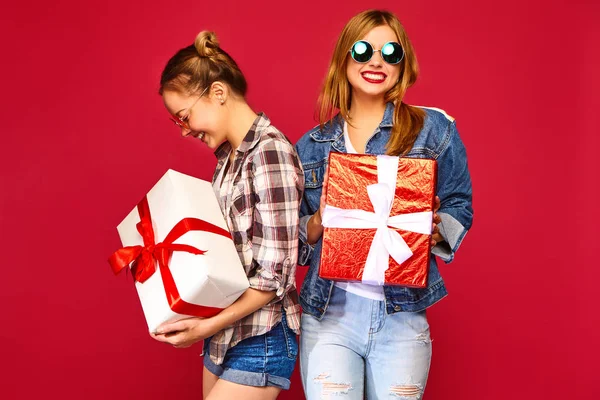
pixel 320 310
pixel 397 308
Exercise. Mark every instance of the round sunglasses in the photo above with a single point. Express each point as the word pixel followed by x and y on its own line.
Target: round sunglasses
pixel 391 52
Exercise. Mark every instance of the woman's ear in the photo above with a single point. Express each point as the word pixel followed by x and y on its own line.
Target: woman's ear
pixel 219 91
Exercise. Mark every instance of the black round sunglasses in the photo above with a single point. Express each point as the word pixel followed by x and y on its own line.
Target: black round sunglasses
pixel 391 52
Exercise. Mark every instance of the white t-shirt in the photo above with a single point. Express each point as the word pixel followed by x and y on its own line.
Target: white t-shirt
pixel 370 291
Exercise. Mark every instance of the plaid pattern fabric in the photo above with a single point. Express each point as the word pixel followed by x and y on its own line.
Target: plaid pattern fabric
pixel 260 195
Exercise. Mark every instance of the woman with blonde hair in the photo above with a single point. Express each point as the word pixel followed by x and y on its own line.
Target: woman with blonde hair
pixel 250 347
pixel 361 340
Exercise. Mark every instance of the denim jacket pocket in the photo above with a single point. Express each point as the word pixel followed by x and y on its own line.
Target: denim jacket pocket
pixel 313 174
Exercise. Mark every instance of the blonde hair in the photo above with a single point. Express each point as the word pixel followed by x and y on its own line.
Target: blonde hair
pixel 194 68
pixel 336 93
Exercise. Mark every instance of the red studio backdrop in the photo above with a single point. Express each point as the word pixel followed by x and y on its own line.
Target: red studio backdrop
pixel 84 135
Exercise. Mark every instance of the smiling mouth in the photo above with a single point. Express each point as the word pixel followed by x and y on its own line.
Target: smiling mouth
pixel 198 135
pixel 374 77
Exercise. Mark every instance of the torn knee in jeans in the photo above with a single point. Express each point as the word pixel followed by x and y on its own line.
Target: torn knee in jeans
pixel 329 388
pixel 409 391
pixel 423 338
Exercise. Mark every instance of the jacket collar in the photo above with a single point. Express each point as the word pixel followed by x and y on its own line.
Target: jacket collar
pixel 333 129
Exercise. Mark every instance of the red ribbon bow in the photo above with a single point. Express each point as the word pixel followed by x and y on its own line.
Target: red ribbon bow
pixel 144 257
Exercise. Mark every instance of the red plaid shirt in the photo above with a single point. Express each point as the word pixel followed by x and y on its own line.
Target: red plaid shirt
pixel 260 195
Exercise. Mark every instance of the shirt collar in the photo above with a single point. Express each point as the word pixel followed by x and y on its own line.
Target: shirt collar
pixel 250 140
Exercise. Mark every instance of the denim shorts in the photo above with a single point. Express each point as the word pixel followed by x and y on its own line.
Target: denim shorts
pixel 265 360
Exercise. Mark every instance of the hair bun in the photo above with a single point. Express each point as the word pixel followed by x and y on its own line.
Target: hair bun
pixel 207 44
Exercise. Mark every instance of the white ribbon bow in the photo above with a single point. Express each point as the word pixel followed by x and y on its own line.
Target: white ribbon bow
pixel 387 242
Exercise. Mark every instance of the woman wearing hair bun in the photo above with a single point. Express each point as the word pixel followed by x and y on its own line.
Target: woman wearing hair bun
pixel 250 347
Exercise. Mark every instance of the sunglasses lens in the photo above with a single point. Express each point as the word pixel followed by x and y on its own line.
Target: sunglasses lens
pixel 392 53
pixel 362 51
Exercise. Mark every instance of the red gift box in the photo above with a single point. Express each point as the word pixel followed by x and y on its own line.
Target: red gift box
pixel 378 219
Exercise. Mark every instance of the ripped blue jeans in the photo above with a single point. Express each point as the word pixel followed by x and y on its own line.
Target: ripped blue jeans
pixel 357 351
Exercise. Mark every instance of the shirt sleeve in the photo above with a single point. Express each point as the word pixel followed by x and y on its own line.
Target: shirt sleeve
pixel 278 183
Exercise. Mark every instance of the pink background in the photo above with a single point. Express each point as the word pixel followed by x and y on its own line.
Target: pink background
pixel 84 135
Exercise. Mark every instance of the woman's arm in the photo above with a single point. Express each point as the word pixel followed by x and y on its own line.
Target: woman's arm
pixel 455 192
pixel 188 331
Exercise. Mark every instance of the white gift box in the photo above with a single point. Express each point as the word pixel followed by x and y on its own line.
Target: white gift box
pixel 215 278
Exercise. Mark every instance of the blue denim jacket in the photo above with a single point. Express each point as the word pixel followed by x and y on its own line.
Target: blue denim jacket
pixel 437 140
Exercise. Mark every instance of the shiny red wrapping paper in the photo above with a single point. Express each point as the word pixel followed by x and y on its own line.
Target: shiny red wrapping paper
pixel 345 251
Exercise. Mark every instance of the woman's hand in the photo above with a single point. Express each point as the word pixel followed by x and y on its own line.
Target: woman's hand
pixel 315 227
pixel 436 236
pixel 185 332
